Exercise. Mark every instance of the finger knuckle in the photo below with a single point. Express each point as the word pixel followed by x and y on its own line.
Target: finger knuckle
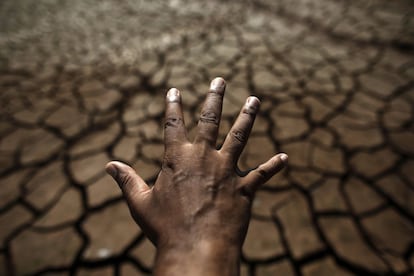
pixel 262 173
pixel 239 135
pixel 173 122
pixel 209 117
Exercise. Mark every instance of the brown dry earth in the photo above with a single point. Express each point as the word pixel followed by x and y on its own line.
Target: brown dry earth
pixel 83 82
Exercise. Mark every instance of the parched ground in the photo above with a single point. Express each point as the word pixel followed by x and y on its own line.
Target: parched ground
pixel 83 82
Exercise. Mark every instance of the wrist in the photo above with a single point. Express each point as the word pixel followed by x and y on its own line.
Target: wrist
pixel 200 257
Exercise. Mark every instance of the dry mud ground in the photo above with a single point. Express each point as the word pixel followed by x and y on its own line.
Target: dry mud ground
pixel 83 82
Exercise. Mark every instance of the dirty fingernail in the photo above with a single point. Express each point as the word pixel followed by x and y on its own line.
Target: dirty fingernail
pixel 173 95
pixel 252 105
pixel 218 85
pixel 253 102
pixel 284 157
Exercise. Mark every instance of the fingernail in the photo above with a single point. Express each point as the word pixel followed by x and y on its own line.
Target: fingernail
pixel 173 95
pixel 112 170
pixel 284 157
pixel 252 104
pixel 218 85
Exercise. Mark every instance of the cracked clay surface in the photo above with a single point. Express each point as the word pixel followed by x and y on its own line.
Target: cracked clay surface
pixel 83 82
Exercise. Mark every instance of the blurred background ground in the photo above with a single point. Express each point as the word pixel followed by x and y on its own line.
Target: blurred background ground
pixel 83 82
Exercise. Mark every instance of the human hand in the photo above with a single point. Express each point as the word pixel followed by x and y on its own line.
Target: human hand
pixel 199 207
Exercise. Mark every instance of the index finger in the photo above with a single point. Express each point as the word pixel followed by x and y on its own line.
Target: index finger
pixel 174 129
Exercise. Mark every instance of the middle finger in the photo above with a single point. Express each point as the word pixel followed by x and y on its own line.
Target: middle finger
pixel 209 122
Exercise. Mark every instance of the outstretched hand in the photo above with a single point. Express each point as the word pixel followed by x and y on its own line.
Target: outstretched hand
pixel 198 210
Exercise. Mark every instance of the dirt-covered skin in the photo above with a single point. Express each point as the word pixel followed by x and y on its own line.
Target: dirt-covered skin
pixel 83 82
pixel 197 213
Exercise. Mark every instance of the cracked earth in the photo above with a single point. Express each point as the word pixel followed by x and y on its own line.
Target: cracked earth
pixel 83 82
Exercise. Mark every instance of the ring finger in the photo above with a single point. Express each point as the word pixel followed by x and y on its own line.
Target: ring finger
pixel 237 137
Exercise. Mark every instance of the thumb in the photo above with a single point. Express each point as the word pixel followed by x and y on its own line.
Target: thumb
pixel 131 184
pixel 257 177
